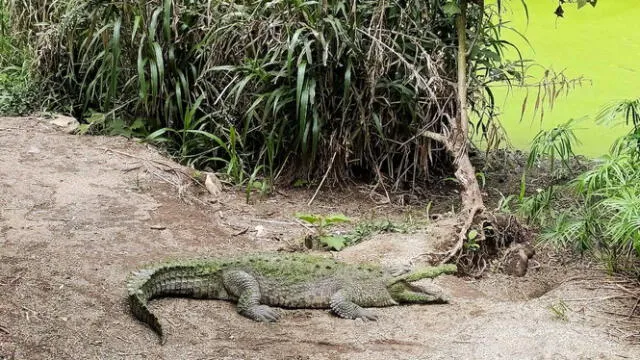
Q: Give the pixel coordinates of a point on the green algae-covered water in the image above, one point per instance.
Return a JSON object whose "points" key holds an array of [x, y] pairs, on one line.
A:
{"points": [[601, 44]]}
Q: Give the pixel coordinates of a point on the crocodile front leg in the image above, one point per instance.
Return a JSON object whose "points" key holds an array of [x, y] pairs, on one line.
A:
{"points": [[245, 287], [342, 306]]}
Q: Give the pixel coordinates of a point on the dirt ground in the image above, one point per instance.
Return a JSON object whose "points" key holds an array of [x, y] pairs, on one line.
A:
{"points": [[78, 213]]}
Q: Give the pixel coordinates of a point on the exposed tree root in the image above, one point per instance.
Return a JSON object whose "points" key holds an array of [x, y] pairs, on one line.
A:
{"points": [[462, 234], [491, 241]]}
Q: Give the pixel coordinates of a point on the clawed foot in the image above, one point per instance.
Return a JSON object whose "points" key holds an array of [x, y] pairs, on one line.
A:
{"points": [[263, 313], [365, 315]]}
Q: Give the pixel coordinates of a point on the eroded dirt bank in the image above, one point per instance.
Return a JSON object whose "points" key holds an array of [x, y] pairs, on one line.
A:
{"points": [[77, 214]]}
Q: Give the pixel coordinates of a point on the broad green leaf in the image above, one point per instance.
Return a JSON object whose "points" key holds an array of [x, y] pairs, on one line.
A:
{"points": [[300, 84], [156, 136], [159, 60], [166, 19], [154, 24], [347, 83], [209, 135], [302, 116], [300, 183], [310, 218], [153, 71], [336, 218], [142, 62], [335, 242], [136, 26]]}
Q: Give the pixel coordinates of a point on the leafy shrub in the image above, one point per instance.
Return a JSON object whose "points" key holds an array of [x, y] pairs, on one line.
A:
{"points": [[18, 90], [604, 218], [18, 96], [249, 84], [547, 146]]}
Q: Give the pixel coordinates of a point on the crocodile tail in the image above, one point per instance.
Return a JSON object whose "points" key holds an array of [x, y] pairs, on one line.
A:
{"points": [[138, 299]]}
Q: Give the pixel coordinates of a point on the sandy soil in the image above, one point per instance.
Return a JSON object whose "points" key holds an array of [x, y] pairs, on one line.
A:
{"points": [[77, 214]]}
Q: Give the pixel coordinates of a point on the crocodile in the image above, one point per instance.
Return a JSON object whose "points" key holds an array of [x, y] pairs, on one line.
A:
{"points": [[256, 282]]}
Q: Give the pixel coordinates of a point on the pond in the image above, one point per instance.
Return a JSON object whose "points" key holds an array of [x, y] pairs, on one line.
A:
{"points": [[602, 44]]}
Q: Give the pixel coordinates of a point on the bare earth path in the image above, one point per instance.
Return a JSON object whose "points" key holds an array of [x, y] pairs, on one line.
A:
{"points": [[78, 213]]}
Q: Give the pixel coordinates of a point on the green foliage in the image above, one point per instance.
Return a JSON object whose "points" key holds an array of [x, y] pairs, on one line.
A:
{"points": [[553, 144], [249, 86], [322, 221], [451, 8], [605, 217], [18, 94], [628, 109], [537, 208], [338, 241], [548, 145], [334, 242], [471, 243], [18, 89], [625, 111], [368, 228], [98, 123], [559, 310]]}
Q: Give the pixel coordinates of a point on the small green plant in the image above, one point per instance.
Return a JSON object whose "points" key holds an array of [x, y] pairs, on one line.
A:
{"points": [[366, 229], [481, 177], [261, 186], [471, 244], [300, 183], [199, 146], [321, 223], [535, 209], [361, 231], [628, 109], [18, 92], [559, 310], [555, 144], [538, 207], [103, 124]]}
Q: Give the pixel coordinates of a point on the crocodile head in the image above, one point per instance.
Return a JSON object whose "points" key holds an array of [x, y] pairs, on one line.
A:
{"points": [[404, 288]]}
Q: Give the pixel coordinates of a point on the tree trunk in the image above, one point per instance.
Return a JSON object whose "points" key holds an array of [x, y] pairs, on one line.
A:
{"points": [[465, 173], [457, 140]]}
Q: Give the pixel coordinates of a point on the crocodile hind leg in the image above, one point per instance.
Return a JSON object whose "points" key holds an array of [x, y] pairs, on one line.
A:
{"points": [[245, 287], [345, 308]]}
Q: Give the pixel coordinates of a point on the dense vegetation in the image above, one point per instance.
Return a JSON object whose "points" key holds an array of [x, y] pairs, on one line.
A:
{"points": [[597, 211], [251, 86], [17, 85], [602, 215]]}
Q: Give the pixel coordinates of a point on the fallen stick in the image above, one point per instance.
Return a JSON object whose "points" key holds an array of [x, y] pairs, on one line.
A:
{"points": [[323, 179]]}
